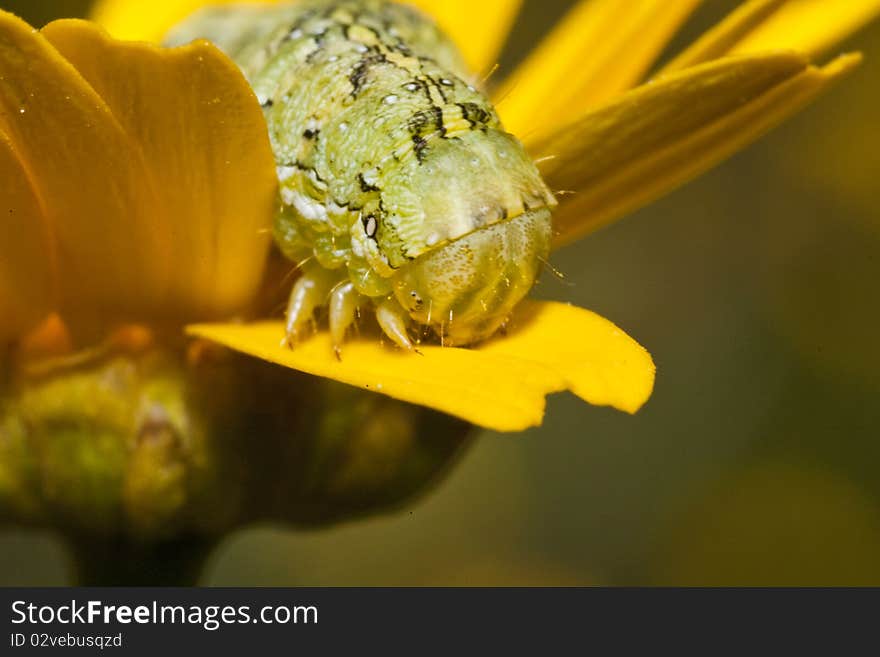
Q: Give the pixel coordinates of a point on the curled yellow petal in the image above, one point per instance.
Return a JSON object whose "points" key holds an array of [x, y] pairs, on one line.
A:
{"points": [[501, 385], [602, 47], [478, 28], [27, 258], [82, 166], [663, 134], [202, 135], [153, 168]]}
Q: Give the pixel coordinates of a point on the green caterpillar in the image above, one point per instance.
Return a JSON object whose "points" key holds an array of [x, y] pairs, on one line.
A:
{"points": [[399, 187]]}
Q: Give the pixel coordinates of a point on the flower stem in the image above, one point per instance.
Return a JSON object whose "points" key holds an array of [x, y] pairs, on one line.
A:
{"points": [[105, 562]]}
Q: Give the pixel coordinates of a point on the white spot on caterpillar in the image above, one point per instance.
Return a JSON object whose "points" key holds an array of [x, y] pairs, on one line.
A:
{"points": [[357, 248], [285, 173], [336, 209], [390, 100], [309, 208], [371, 177], [371, 226], [343, 127], [432, 239]]}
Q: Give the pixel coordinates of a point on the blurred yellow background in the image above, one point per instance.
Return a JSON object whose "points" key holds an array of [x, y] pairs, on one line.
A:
{"points": [[756, 461]]}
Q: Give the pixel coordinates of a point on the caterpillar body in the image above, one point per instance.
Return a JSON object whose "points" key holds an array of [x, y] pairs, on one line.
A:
{"points": [[399, 188]]}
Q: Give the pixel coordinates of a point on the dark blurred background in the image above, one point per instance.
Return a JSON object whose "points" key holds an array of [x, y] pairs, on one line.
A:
{"points": [[757, 459]]}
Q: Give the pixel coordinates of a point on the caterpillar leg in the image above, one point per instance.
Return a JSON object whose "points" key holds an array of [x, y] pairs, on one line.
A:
{"points": [[394, 321], [309, 293], [319, 287], [344, 303]]}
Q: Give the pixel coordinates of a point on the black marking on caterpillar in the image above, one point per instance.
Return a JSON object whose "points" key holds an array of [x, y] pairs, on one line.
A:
{"points": [[477, 116], [358, 77], [365, 186]]}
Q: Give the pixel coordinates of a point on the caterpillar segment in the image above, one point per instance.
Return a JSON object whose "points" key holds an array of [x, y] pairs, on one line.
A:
{"points": [[400, 190]]}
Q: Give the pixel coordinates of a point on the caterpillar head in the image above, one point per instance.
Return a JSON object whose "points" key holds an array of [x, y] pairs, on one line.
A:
{"points": [[466, 289], [466, 230]]}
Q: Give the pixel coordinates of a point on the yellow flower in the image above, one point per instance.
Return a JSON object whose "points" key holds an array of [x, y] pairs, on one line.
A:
{"points": [[138, 183]]}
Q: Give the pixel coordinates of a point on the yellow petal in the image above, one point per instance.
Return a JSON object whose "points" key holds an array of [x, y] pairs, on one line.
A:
{"points": [[719, 40], [665, 133], [810, 26], [478, 28], [598, 361], [501, 385], [202, 134], [602, 47], [81, 165], [27, 259], [138, 20], [114, 174]]}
